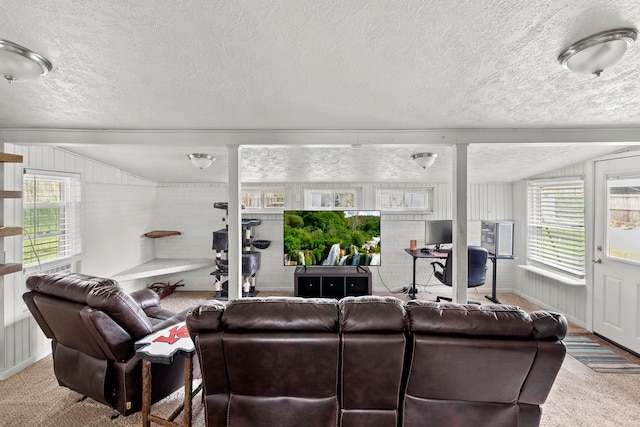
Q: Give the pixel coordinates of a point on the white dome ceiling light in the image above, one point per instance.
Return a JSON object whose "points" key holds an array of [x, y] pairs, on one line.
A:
{"points": [[596, 53], [17, 63], [201, 160], [424, 160]]}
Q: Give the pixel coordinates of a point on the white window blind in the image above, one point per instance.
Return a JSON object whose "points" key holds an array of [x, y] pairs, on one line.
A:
{"points": [[51, 217], [556, 224]]}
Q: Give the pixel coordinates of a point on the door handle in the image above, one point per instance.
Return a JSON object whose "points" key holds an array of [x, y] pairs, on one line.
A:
{"points": [[597, 260]]}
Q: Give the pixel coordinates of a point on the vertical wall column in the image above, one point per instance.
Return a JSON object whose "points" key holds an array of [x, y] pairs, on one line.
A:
{"points": [[460, 238], [234, 236]]}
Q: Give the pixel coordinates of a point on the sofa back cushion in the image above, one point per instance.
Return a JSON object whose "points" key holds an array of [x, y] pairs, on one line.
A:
{"points": [[282, 358], [373, 351], [470, 364]]}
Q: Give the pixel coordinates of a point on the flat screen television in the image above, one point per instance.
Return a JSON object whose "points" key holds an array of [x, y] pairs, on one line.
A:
{"points": [[332, 238], [438, 232]]}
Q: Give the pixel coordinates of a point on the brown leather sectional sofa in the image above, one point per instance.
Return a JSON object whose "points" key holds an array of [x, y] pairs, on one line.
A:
{"points": [[93, 325], [374, 361]]}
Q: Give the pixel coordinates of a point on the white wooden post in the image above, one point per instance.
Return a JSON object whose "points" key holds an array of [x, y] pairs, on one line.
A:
{"points": [[234, 284], [460, 250]]}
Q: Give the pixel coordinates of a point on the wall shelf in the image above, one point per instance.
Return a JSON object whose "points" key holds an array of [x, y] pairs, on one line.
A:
{"points": [[10, 231], [161, 233], [9, 268], [161, 267], [4, 194], [10, 158]]}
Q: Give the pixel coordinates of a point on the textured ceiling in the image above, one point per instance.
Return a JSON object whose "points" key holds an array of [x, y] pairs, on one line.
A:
{"points": [[297, 65]]}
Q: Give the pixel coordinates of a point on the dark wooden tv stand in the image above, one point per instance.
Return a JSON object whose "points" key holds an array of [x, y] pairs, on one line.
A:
{"points": [[332, 282]]}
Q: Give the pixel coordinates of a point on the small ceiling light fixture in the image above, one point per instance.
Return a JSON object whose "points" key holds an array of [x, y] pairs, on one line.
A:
{"points": [[596, 53], [201, 160], [424, 160], [18, 63]]}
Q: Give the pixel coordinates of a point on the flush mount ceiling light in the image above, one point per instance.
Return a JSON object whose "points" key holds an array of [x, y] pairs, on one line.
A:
{"points": [[201, 160], [424, 160], [18, 63], [596, 53]]}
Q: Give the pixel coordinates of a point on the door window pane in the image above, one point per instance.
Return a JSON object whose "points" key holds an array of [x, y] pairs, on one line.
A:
{"points": [[623, 229]]}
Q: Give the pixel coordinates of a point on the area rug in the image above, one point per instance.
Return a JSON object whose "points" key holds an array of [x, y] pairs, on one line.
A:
{"points": [[597, 357]]}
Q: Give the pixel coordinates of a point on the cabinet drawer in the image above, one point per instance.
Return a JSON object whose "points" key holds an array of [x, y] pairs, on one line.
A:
{"points": [[308, 287], [357, 286], [333, 287]]}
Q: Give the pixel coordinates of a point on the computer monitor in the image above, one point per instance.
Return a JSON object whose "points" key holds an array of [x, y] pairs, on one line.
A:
{"points": [[438, 233]]}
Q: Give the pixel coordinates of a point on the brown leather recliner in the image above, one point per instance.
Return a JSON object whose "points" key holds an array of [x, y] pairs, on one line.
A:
{"points": [[93, 325], [478, 366]]}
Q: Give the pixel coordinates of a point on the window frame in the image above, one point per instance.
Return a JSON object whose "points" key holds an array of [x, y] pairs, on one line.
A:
{"points": [[69, 226], [264, 199], [556, 232], [338, 198]]}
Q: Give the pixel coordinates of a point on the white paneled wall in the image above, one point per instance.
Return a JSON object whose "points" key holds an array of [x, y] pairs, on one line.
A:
{"points": [[549, 293], [189, 209], [119, 208], [115, 220]]}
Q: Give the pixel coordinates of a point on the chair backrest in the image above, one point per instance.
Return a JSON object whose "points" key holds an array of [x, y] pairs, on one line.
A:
{"points": [[477, 259], [66, 306]]}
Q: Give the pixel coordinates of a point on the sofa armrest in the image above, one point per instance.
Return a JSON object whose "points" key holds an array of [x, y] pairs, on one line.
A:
{"points": [[146, 298], [205, 317], [548, 325]]}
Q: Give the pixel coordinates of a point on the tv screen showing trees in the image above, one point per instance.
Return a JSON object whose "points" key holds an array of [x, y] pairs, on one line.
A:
{"points": [[332, 238]]}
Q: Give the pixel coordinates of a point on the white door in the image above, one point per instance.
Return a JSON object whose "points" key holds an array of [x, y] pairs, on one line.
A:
{"points": [[616, 271]]}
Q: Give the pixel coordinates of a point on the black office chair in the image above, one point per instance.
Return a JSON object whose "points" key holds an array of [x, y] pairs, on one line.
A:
{"points": [[478, 257]]}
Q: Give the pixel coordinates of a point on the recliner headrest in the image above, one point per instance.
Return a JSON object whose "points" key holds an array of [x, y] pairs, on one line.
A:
{"points": [[468, 319], [282, 314], [371, 314], [73, 286]]}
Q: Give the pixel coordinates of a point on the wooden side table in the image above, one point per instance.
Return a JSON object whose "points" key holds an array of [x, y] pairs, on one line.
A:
{"points": [[162, 347]]}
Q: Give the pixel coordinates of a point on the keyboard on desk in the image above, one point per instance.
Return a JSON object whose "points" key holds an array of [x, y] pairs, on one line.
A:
{"points": [[441, 250]]}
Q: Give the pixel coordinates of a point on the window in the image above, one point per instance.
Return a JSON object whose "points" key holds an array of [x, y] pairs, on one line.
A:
{"points": [[264, 199], [51, 232], [623, 225], [417, 199], [274, 199], [251, 199], [556, 239], [332, 198]]}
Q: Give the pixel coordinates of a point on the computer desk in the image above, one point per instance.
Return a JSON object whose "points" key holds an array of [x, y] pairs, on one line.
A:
{"points": [[434, 255]]}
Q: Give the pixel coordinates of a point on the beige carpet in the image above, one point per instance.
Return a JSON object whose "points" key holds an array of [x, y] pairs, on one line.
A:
{"points": [[579, 397]]}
